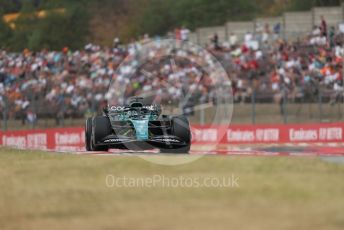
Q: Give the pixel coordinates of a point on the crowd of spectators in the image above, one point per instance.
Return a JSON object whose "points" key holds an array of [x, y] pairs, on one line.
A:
{"points": [[73, 83], [276, 69]]}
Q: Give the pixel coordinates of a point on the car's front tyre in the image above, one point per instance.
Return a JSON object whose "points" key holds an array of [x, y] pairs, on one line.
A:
{"points": [[181, 129], [88, 134], [96, 129]]}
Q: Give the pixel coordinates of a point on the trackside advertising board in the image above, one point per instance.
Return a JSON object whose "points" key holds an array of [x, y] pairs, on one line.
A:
{"points": [[257, 134], [57, 139], [69, 139]]}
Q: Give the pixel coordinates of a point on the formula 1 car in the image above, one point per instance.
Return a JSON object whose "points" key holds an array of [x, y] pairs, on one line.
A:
{"points": [[137, 127]]}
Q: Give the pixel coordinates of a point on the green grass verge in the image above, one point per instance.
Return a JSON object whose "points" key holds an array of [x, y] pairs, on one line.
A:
{"points": [[41, 190]]}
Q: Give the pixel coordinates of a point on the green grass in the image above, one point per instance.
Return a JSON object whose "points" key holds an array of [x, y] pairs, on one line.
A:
{"points": [[39, 190]]}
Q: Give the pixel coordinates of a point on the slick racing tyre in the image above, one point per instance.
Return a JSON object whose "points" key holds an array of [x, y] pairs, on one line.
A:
{"points": [[180, 129], [101, 129], [88, 134]]}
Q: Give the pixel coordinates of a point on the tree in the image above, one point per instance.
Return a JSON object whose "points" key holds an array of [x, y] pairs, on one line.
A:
{"points": [[160, 16], [9, 6], [5, 33], [24, 27], [54, 31], [59, 30]]}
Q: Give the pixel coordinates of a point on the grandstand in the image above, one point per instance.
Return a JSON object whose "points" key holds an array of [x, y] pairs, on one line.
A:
{"points": [[261, 65]]}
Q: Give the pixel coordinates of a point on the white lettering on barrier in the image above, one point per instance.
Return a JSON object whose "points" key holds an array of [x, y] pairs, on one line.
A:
{"points": [[201, 135], [15, 141], [303, 135], [331, 134], [267, 135], [68, 138], [240, 135], [37, 140]]}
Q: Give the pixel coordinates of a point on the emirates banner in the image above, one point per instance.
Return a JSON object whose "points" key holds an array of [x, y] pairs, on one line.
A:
{"points": [[70, 139], [257, 134], [57, 139]]}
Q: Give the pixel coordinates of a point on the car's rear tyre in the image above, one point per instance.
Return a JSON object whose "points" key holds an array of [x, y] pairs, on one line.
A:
{"points": [[101, 128], [180, 129]]}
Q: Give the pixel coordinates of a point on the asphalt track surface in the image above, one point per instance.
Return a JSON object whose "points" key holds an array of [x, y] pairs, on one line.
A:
{"points": [[320, 150], [332, 153]]}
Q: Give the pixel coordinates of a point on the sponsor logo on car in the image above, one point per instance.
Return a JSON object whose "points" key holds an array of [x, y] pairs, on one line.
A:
{"points": [[149, 107], [122, 108], [167, 140], [117, 108], [114, 140]]}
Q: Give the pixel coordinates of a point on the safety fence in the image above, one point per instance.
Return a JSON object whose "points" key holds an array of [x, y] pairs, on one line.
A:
{"points": [[73, 139], [255, 109]]}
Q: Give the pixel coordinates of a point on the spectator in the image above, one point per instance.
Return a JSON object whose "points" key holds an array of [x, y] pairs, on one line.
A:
{"points": [[178, 34], [248, 37], [277, 28], [323, 26], [215, 41], [184, 34], [233, 39]]}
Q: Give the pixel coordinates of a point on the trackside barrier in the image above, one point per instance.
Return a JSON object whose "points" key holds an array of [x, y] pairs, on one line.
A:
{"points": [[274, 134], [64, 139], [72, 139]]}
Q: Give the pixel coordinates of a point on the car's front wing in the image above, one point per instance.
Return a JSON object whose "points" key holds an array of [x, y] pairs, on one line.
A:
{"points": [[123, 142]]}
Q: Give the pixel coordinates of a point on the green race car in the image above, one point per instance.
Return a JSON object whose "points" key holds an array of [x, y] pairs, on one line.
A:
{"points": [[137, 127]]}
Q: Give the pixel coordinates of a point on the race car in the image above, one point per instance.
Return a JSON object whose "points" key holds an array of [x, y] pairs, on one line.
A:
{"points": [[137, 127]]}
